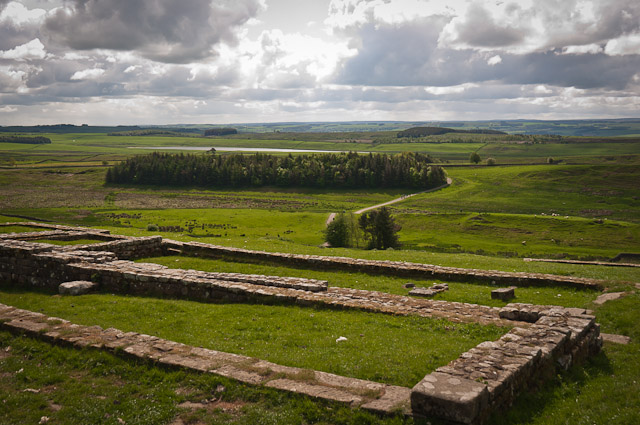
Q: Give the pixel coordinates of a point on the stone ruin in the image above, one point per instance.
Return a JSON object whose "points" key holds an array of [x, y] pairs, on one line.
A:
{"points": [[467, 390]]}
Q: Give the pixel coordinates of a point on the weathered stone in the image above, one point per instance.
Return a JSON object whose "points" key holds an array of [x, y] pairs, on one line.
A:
{"points": [[449, 397], [77, 287], [608, 297], [318, 391], [504, 294], [616, 339]]}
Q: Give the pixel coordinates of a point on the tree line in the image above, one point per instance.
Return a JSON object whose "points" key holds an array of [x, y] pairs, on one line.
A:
{"points": [[35, 140], [330, 170]]}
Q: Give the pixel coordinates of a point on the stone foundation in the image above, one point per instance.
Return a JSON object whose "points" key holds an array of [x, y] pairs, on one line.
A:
{"points": [[390, 268], [485, 378]]}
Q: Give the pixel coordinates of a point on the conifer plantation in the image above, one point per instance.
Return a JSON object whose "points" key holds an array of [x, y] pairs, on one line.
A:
{"points": [[335, 171]]}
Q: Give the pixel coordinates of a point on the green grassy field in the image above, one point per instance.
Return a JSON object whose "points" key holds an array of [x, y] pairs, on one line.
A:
{"points": [[378, 348], [92, 149], [490, 217]]}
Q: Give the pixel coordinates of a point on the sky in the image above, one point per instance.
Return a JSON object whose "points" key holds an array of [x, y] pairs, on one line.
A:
{"points": [[125, 62]]}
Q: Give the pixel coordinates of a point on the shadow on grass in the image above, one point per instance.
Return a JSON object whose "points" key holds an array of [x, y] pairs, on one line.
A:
{"points": [[531, 405]]}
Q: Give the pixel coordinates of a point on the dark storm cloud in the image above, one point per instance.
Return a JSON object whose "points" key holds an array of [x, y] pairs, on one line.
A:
{"points": [[161, 30]]}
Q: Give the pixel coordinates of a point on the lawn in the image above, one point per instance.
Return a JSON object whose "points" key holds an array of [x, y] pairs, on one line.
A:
{"points": [[379, 347]]}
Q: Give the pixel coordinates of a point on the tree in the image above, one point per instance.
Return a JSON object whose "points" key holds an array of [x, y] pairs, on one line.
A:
{"points": [[475, 158], [337, 232], [380, 228]]}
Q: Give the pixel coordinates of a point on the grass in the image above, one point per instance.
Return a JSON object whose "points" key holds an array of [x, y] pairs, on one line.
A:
{"points": [[379, 348], [488, 211], [474, 293], [80, 387], [20, 229]]}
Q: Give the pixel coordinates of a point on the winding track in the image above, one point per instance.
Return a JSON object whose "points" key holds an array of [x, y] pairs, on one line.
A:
{"points": [[332, 216]]}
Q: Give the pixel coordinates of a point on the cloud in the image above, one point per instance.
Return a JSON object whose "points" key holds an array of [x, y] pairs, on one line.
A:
{"points": [[584, 49], [28, 51], [494, 60], [161, 30], [625, 45], [87, 74], [478, 29], [18, 14], [530, 26]]}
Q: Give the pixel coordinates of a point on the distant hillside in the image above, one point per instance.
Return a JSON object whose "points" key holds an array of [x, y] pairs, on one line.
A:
{"points": [[572, 128], [435, 131], [66, 128]]}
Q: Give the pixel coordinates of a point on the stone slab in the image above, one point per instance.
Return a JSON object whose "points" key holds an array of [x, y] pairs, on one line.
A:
{"points": [[504, 294], [449, 397], [616, 339], [610, 296], [77, 287], [394, 399], [318, 391]]}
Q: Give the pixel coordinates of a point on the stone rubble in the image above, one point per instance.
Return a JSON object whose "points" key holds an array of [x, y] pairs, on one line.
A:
{"points": [[435, 289]]}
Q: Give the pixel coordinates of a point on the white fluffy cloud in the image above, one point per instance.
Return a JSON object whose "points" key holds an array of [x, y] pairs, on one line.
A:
{"points": [[628, 44], [34, 49], [87, 74], [18, 14]]}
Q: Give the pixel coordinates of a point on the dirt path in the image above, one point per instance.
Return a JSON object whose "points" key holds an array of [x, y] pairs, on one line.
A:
{"points": [[402, 198], [330, 218]]}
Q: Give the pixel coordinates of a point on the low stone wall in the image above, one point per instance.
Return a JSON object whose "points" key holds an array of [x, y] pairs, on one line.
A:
{"points": [[59, 235], [490, 376], [586, 263], [373, 396], [126, 249], [486, 378], [47, 266], [392, 268], [49, 226]]}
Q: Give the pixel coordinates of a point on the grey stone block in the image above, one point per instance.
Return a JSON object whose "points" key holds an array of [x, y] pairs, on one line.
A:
{"points": [[77, 287], [449, 397], [504, 294]]}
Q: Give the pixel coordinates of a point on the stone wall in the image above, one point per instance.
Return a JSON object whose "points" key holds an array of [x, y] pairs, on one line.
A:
{"points": [[489, 377], [485, 378], [392, 268]]}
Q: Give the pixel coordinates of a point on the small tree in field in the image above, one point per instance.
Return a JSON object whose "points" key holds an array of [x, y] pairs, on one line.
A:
{"points": [[380, 229], [337, 232], [475, 158]]}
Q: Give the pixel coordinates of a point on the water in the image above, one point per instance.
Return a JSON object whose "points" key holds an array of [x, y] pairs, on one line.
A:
{"points": [[232, 149]]}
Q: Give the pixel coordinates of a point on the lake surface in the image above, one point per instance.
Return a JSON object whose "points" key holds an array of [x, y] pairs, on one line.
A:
{"points": [[231, 149]]}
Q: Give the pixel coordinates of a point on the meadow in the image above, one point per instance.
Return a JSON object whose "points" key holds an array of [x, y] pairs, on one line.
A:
{"points": [[585, 207]]}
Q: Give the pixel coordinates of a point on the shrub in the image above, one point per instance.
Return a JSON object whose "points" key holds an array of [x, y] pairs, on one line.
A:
{"points": [[152, 228], [491, 161]]}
